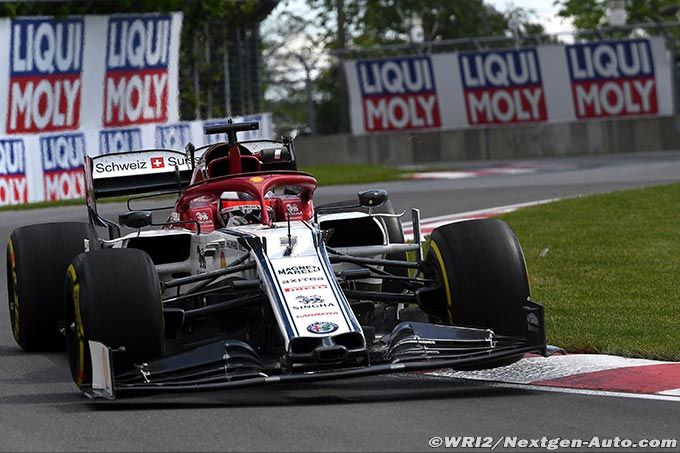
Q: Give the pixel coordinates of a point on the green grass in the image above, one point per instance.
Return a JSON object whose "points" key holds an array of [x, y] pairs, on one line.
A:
{"points": [[334, 174], [607, 269]]}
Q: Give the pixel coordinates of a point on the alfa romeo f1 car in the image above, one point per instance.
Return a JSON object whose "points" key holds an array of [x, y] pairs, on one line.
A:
{"points": [[247, 282]]}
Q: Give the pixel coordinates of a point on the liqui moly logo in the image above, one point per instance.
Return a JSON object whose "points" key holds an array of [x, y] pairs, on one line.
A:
{"points": [[62, 163], [173, 136], [398, 94], [120, 140], [613, 78], [13, 184], [502, 87], [46, 60], [137, 58]]}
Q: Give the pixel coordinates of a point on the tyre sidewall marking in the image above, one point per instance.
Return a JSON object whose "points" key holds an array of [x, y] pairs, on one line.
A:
{"points": [[447, 289], [15, 295], [80, 331]]}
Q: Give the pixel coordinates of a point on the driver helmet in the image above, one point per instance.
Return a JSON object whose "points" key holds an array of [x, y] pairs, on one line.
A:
{"points": [[239, 208]]}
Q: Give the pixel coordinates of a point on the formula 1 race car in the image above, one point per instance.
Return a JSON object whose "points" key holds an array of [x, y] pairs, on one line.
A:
{"points": [[248, 283]]}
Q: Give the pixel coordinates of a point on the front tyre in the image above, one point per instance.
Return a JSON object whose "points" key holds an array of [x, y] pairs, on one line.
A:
{"points": [[482, 276], [113, 296]]}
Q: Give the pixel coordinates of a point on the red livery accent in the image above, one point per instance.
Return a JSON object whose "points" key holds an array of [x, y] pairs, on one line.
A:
{"points": [[157, 162]]}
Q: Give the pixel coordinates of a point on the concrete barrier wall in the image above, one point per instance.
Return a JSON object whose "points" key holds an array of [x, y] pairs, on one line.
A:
{"points": [[512, 142]]}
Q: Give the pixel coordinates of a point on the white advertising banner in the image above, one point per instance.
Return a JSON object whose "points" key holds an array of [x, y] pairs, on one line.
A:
{"points": [[88, 85], [603, 79]]}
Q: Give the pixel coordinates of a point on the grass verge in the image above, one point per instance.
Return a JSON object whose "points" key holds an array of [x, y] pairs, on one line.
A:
{"points": [[606, 269]]}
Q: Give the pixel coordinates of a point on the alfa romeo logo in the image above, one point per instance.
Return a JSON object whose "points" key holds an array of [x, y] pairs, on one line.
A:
{"points": [[322, 327]]}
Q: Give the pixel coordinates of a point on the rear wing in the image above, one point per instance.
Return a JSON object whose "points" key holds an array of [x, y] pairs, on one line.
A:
{"points": [[131, 173], [112, 175]]}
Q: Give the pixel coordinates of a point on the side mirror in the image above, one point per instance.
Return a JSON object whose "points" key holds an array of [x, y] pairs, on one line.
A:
{"points": [[135, 219], [372, 198]]}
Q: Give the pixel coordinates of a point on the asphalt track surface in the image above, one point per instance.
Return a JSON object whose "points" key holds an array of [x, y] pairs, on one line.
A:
{"points": [[40, 409]]}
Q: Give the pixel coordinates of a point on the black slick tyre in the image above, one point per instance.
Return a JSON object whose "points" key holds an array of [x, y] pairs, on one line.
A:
{"points": [[482, 274], [113, 296]]}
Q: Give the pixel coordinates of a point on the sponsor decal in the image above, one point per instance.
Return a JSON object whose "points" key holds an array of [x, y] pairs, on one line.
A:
{"points": [[502, 87], [295, 270], [119, 140], [223, 260], [173, 136], [312, 302], [136, 163], [314, 315], [114, 167], [46, 61], [13, 182], [62, 163], [305, 288], [157, 162], [614, 78], [256, 179], [302, 280], [288, 242], [322, 327], [136, 80], [310, 299], [293, 209], [398, 93]]}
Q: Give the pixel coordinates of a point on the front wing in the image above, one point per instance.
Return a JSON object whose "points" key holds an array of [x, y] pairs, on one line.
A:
{"points": [[230, 364]]}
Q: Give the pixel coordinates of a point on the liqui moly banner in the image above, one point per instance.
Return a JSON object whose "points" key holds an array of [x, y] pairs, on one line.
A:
{"points": [[136, 87], [502, 87], [62, 159], [398, 94], [613, 79], [548, 83], [90, 72], [45, 75]]}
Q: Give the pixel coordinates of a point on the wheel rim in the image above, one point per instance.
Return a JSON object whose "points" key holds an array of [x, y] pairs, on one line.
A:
{"points": [[12, 296], [75, 333]]}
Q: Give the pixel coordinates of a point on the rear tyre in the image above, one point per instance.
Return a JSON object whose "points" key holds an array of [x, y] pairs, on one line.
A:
{"points": [[113, 296], [482, 275], [37, 257]]}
